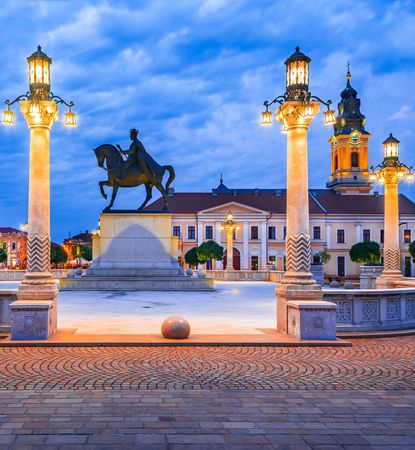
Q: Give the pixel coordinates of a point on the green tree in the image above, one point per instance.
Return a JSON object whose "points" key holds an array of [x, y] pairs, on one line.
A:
{"points": [[323, 256], [191, 257], [3, 255], [57, 254], [411, 249], [365, 252], [86, 252], [209, 250]]}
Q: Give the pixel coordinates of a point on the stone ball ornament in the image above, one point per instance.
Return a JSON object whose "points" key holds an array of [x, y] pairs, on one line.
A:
{"points": [[175, 327]]}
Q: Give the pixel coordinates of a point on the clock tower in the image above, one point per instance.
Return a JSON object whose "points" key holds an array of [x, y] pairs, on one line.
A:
{"points": [[349, 146]]}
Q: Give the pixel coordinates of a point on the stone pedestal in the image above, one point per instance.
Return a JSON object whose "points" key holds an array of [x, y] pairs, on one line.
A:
{"points": [[388, 279], [312, 320], [135, 251], [369, 275]]}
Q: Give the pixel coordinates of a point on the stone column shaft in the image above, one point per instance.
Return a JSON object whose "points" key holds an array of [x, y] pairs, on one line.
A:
{"points": [[229, 248]]}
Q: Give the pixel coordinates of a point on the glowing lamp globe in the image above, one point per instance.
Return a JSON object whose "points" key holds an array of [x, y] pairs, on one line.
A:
{"points": [[229, 216], [373, 178], [308, 111], [297, 66], [70, 119], [266, 118], [39, 74], [391, 148], [410, 177], [8, 117], [329, 117]]}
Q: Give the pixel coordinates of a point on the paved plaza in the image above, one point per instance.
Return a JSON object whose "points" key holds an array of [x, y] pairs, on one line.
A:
{"points": [[359, 397]]}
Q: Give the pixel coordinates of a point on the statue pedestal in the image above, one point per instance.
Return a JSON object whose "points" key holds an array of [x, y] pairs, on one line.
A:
{"points": [[135, 251]]}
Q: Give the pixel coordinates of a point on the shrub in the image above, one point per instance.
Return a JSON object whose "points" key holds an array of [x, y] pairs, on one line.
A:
{"points": [[365, 252]]}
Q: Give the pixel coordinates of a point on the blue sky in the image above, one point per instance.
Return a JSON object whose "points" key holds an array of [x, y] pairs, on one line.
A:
{"points": [[192, 76]]}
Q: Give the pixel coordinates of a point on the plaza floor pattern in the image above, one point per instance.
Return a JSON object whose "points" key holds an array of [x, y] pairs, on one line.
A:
{"points": [[360, 397]]}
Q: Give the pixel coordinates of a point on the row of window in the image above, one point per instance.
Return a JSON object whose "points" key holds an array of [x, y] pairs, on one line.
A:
{"points": [[13, 245], [272, 233]]}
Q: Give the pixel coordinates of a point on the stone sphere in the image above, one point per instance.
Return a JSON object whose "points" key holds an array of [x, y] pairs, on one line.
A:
{"points": [[78, 271], [181, 271], [334, 284], [71, 273], [348, 285], [175, 327], [189, 271]]}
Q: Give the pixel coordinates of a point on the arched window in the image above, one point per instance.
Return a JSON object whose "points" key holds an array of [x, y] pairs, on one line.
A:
{"points": [[355, 159], [13, 245], [336, 162]]}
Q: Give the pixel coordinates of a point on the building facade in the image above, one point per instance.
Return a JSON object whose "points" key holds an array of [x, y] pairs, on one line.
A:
{"points": [[345, 213], [14, 241]]}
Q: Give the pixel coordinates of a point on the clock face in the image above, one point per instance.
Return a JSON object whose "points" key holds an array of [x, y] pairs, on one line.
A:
{"points": [[355, 139]]}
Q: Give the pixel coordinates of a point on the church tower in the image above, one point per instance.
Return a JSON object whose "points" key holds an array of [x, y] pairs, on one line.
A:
{"points": [[349, 146]]}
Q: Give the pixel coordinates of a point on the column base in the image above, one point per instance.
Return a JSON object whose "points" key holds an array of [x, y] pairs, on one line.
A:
{"points": [[34, 315], [388, 278], [302, 313], [230, 274]]}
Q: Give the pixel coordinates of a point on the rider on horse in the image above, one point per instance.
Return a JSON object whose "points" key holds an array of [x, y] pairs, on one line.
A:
{"points": [[137, 155]]}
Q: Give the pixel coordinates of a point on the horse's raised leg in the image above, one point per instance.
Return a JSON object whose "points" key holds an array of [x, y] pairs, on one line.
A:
{"points": [[163, 192], [149, 188], [101, 187], [115, 187]]}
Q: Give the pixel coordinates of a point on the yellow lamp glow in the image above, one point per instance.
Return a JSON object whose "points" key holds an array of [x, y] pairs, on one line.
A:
{"points": [[229, 216], [39, 73], [329, 117], [70, 119], [308, 111], [34, 109], [8, 117], [381, 179], [266, 118], [297, 69], [391, 148], [373, 178], [410, 177]]}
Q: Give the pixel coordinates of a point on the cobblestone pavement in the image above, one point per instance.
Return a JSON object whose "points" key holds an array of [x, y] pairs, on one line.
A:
{"points": [[359, 397]]}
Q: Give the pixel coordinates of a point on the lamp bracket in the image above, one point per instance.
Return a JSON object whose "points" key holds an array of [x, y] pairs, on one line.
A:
{"points": [[17, 99], [60, 100]]}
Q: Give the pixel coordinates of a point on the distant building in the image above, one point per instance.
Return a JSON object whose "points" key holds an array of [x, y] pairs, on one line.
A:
{"points": [[340, 216], [15, 243], [71, 244]]}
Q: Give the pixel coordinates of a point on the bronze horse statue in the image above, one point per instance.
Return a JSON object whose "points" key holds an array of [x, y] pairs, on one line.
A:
{"points": [[119, 176]]}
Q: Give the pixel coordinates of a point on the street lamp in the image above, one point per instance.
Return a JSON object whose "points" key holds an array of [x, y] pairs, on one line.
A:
{"points": [[389, 173], [230, 227], [39, 107], [297, 108]]}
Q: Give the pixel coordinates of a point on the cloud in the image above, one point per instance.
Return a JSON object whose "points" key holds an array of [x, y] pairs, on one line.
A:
{"points": [[403, 113]]}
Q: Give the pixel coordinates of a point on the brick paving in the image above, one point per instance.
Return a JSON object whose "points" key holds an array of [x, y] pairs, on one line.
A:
{"points": [[359, 397]]}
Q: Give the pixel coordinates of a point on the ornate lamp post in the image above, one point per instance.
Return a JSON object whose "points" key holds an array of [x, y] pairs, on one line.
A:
{"points": [[390, 172], [34, 314], [230, 227], [296, 111]]}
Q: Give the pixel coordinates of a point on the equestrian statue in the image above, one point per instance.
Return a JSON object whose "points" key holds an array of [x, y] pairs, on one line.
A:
{"points": [[139, 168]]}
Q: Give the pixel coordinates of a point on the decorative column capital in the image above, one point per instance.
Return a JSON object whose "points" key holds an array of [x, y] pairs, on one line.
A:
{"points": [[40, 113], [294, 114]]}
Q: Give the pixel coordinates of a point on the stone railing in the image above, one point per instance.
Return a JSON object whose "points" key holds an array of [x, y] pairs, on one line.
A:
{"points": [[247, 275], [373, 309], [7, 296], [18, 275]]}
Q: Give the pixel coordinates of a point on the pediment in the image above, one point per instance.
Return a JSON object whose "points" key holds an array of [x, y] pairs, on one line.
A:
{"points": [[235, 207]]}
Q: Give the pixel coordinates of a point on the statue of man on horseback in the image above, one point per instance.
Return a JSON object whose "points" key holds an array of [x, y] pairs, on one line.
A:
{"points": [[139, 168]]}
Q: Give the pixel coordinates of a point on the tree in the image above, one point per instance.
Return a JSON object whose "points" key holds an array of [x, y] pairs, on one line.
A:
{"points": [[323, 256], [191, 257], [209, 250], [86, 252], [3, 255], [365, 252], [411, 249], [57, 254]]}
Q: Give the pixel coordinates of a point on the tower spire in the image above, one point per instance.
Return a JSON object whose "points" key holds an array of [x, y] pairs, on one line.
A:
{"points": [[221, 179]]}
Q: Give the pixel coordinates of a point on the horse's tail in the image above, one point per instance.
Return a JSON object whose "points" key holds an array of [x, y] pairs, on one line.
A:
{"points": [[171, 177]]}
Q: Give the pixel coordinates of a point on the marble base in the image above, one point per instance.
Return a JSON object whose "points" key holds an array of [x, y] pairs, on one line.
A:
{"points": [[388, 279], [302, 313], [312, 320]]}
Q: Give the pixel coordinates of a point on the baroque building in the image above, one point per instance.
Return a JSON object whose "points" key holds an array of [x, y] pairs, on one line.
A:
{"points": [[345, 213]]}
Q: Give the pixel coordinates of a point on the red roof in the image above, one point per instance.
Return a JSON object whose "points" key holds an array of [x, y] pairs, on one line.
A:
{"points": [[324, 201], [9, 230]]}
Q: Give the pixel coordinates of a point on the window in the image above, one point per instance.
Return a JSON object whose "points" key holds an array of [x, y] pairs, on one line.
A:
{"points": [[355, 159], [176, 230], [336, 162], [254, 232], [209, 265], [284, 232], [272, 233], [14, 245], [382, 236], [366, 235], [234, 234], [340, 237], [407, 236], [191, 232], [209, 232], [272, 260], [254, 262], [317, 233]]}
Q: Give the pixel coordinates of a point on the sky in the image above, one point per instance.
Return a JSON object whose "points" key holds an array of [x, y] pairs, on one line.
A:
{"points": [[192, 76]]}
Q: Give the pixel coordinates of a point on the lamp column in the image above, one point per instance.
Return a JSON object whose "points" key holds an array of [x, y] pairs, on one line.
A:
{"points": [[35, 313], [229, 227], [391, 253], [298, 283]]}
